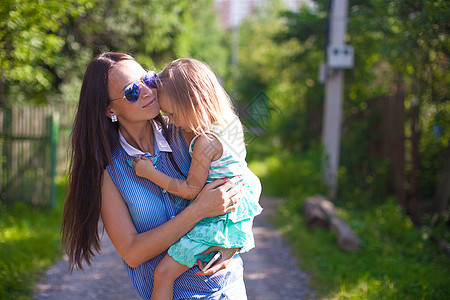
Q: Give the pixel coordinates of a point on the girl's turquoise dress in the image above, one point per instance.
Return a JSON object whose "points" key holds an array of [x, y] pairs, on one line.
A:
{"points": [[232, 230]]}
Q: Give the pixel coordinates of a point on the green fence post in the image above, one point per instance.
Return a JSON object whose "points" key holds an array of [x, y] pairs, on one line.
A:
{"points": [[54, 136]]}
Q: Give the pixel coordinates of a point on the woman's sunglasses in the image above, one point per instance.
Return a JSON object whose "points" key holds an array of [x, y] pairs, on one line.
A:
{"points": [[133, 90]]}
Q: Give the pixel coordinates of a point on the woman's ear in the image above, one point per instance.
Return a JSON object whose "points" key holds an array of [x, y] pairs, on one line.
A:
{"points": [[109, 112]]}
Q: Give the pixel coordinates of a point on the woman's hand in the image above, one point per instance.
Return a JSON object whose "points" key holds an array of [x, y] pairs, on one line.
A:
{"points": [[222, 263], [217, 198]]}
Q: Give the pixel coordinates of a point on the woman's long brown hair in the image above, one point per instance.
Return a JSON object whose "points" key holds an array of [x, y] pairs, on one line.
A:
{"points": [[94, 137]]}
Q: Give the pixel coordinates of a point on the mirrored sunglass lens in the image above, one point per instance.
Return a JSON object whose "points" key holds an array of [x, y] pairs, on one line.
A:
{"points": [[150, 79], [132, 92]]}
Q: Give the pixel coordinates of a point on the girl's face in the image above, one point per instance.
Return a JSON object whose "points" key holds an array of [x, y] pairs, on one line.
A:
{"points": [[174, 117], [120, 76]]}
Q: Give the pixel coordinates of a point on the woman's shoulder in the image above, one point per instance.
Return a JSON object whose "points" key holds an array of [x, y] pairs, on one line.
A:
{"points": [[116, 153]]}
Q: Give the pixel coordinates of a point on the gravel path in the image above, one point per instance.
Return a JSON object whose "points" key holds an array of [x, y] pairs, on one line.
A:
{"points": [[271, 272]]}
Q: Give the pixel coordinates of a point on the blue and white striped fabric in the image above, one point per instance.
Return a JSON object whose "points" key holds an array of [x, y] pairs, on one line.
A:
{"points": [[150, 206]]}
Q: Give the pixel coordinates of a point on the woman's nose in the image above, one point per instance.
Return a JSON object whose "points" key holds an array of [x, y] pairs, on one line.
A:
{"points": [[145, 94], [146, 91]]}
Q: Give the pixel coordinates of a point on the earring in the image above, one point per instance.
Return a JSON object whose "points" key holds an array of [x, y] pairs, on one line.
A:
{"points": [[113, 118]]}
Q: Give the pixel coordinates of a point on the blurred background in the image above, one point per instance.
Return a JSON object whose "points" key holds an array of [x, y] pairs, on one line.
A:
{"points": [[381, 154]]}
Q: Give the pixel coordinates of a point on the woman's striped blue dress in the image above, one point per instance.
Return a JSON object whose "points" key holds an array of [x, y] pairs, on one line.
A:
{"points": [[150, 206]]}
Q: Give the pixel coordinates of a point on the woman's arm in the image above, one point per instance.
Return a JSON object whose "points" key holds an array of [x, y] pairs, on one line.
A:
{"points": [[206, 149], [136, 248]]}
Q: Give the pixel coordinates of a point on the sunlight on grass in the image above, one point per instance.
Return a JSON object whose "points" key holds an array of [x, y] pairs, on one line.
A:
{"points": [[16, 233], [366, 288], [260, 168]]}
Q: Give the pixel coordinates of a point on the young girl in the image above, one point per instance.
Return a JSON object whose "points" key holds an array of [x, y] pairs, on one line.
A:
{"points": [[191, 96]]}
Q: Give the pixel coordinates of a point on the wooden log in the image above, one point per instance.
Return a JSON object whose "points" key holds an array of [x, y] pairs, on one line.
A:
{"points": [[346, 238], [320, 212], [315, 216]]}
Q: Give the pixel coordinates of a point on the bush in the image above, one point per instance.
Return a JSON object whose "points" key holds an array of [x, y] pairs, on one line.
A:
{"points": [[283, 174]]}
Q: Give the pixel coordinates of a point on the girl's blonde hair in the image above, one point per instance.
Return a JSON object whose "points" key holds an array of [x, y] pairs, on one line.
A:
{"points": [[196, 95]]}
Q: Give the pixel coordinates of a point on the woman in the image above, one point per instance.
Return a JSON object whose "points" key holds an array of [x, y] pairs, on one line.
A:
{"points": [[117, 120]]}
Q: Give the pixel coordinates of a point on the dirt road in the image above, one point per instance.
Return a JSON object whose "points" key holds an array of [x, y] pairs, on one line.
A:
{"points": [[270, 271]]}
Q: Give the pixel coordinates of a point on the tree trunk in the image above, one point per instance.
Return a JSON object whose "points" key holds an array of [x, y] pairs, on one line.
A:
{"points": [[395, 140], [412, 207]]}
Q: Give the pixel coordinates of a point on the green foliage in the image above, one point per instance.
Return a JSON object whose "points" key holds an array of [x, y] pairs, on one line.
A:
{"points": [[434, 147], [409, 38], [154, 32], [202, 38], [29, 242], [30, 45], [276, 59], [284, 174], [45, 46]]}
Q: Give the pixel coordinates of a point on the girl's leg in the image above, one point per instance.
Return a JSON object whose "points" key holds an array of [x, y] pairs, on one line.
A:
{"points": [[165, 274]]}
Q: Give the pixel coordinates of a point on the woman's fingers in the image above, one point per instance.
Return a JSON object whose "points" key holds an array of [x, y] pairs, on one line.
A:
{"points": [[234, 192], [220, 265], [216, 183], [231, 192], [201, 265], [234, 202], [230, 183], [219, 196], [226, 256]]}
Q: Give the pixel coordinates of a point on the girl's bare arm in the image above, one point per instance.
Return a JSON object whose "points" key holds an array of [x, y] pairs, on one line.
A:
{"points": [[206, 149]]}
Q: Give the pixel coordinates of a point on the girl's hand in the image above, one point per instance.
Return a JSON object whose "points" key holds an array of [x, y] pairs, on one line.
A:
{"points": [[222, 263], [143, 167], [217, 198]]}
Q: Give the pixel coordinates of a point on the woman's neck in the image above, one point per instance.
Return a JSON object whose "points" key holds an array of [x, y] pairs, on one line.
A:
{"points": [[139, 135]]}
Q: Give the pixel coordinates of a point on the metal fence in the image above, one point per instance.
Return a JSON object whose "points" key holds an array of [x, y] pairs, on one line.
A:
{"points": [[34, 144]]}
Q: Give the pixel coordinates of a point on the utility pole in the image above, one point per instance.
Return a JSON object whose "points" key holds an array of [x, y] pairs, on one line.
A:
{"points": [[338, 57]]}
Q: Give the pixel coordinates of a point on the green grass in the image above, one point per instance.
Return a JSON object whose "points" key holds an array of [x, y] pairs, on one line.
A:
{"points": [[29, 242], [396, 261]]}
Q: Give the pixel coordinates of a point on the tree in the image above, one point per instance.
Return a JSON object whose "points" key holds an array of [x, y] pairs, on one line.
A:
{"points": [[397, 91], [408, 46], [30, 44], [46, 45], [201, 37], [273, 60]]}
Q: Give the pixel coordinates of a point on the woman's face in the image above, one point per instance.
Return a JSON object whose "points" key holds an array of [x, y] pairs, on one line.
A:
{"points": [[119, 77]]}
